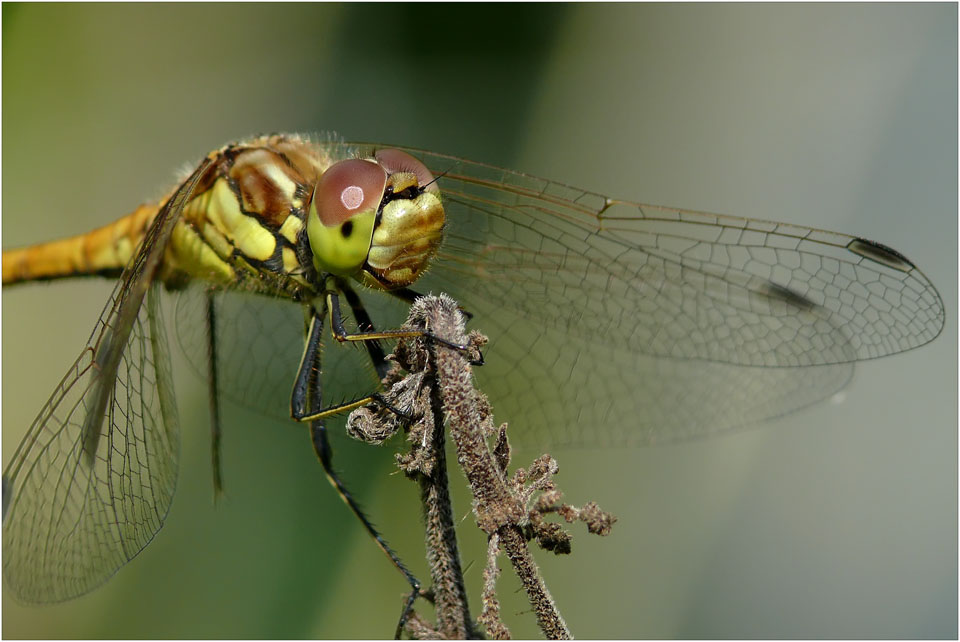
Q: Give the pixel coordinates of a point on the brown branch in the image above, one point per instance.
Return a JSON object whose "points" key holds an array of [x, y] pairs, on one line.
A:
{"points": [[438, 388], [425, 463]]}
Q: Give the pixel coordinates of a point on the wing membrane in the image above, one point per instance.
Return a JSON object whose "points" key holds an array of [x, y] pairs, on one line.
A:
{"points": [[92, 481], [615, 322], [260, 343], [668, 282]]}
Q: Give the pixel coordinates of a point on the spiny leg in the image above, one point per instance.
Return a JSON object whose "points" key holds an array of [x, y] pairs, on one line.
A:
{"points": [[405, 294], [298, 406], [302, 391], [307, 390], [213, 391], [409, 296], [332, 288], [374, 348]]}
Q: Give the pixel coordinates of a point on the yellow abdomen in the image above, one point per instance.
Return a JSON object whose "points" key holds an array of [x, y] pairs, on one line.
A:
{"points": [[105, 250]]}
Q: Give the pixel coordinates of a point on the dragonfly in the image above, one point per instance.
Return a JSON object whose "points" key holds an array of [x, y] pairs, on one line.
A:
{"points": [[610, 323]]}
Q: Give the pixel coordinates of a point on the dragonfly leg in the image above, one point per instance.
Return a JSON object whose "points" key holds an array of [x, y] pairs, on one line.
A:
{"points": [[409, 295], [311, 356], [308, 391], [214, 393], [374, 348], [321, 446], [302, 386], [340, 333]]}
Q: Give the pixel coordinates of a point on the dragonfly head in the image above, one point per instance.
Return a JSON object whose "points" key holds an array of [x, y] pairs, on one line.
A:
{"points": [[379, 219]]}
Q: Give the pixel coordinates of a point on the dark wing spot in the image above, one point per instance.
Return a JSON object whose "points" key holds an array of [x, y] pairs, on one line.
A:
{"points": [[880, 254], [7, 491], [788, 296]]}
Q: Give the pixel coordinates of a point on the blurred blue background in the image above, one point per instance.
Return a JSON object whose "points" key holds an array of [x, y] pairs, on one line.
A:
{"points": [[838, 521]]}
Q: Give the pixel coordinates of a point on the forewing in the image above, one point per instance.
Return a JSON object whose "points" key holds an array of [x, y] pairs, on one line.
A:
{"points": [[674, 283], [618, 322], [92, 481]]}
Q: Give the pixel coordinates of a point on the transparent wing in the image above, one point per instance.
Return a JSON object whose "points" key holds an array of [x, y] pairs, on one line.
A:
{"points": [[92, 481], [259, 344], [559, 389], [674, 283], [260, 341], [614, 321]]}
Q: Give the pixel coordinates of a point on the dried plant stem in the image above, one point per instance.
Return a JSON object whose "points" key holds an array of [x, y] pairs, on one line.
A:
{"points": [[499, 511], [411, 392], [431, 385], [449, 592]]}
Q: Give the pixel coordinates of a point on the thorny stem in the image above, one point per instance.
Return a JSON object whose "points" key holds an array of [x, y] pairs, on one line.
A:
{"points": [[510, 511]]}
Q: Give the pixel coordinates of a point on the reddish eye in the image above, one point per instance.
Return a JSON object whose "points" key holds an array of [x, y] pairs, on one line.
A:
{"points": [[393, 160], [348, 188]]}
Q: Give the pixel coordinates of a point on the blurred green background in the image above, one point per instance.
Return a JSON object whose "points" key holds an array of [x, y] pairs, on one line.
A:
{"points": [[838, 521]]}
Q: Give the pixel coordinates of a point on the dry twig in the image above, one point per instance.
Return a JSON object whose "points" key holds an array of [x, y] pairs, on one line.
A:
{"points": [[438, 388]]}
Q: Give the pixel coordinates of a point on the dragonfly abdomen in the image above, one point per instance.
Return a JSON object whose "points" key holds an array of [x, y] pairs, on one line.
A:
{"points": [[104, 251]]}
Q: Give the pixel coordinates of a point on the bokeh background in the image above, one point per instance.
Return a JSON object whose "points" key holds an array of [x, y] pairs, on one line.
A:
{"points": [[837, 521]]}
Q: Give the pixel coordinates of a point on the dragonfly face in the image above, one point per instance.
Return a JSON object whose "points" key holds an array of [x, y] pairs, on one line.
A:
{"points": [[382, 216], [611, 323]]}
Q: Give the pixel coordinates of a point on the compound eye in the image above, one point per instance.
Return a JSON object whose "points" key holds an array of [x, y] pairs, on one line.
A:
{"points": [[394, 161], [348, 188]]}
